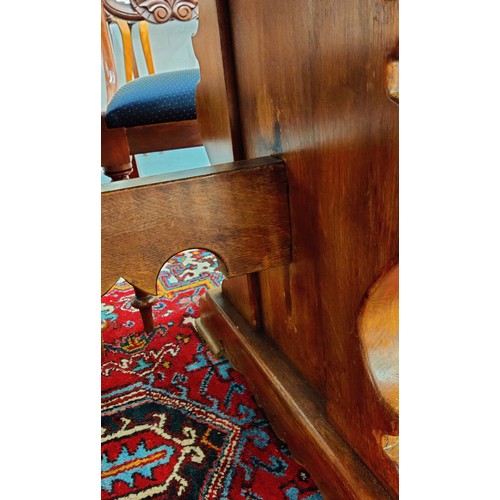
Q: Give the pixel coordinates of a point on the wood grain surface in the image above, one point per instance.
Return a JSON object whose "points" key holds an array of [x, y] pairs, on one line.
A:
{"points": [[379, 333], [218, 117], [216, 95], [293, 407], [239, 211], [311, 85], [164, 136]]}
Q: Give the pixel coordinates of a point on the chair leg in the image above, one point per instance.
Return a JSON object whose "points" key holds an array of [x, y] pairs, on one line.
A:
{"points": [[115, 152], [135, 169], [104, 325], [144, 302], [118, 172]]}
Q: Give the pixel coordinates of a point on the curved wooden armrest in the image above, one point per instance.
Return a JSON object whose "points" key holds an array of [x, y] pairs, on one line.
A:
{"points": [[379, 335]]}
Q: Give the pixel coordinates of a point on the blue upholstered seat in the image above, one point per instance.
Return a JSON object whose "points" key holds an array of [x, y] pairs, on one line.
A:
{"points": [[159, 98]]}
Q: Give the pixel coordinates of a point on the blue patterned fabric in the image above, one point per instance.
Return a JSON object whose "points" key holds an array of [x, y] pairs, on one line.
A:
{"points": [[160, 98]]}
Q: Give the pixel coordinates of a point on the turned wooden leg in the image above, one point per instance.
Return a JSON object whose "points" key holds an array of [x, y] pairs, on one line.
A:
{"points": [[104, 325], [118, 172], [144, 302], [116, 161]]}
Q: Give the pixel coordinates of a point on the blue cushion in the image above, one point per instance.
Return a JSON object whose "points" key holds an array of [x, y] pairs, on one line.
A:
{"points": [[160, 98]]}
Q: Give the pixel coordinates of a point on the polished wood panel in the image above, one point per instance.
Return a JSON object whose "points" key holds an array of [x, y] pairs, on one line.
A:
{"points": [[216, 98], [218, 116], [238, 210], [311, 81], [243, 293], [294, 408]]}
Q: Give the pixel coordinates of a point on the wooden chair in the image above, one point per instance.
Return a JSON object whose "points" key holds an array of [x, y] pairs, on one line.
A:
{"points": [[149, 113]]}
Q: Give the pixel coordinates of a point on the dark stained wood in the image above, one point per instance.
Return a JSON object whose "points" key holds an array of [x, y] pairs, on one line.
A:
{"points": [[218, 116], [243, 293], [293, 407], [312, 87], [164, 137], [289, 297], [216, 97], [118, 144], [238, 210]]}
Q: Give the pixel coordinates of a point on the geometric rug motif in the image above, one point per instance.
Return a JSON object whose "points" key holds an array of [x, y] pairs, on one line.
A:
{"points": [[176, 421]]}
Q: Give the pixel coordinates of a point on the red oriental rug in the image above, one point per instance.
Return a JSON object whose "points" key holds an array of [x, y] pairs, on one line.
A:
{"points": [[177, 422]]}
